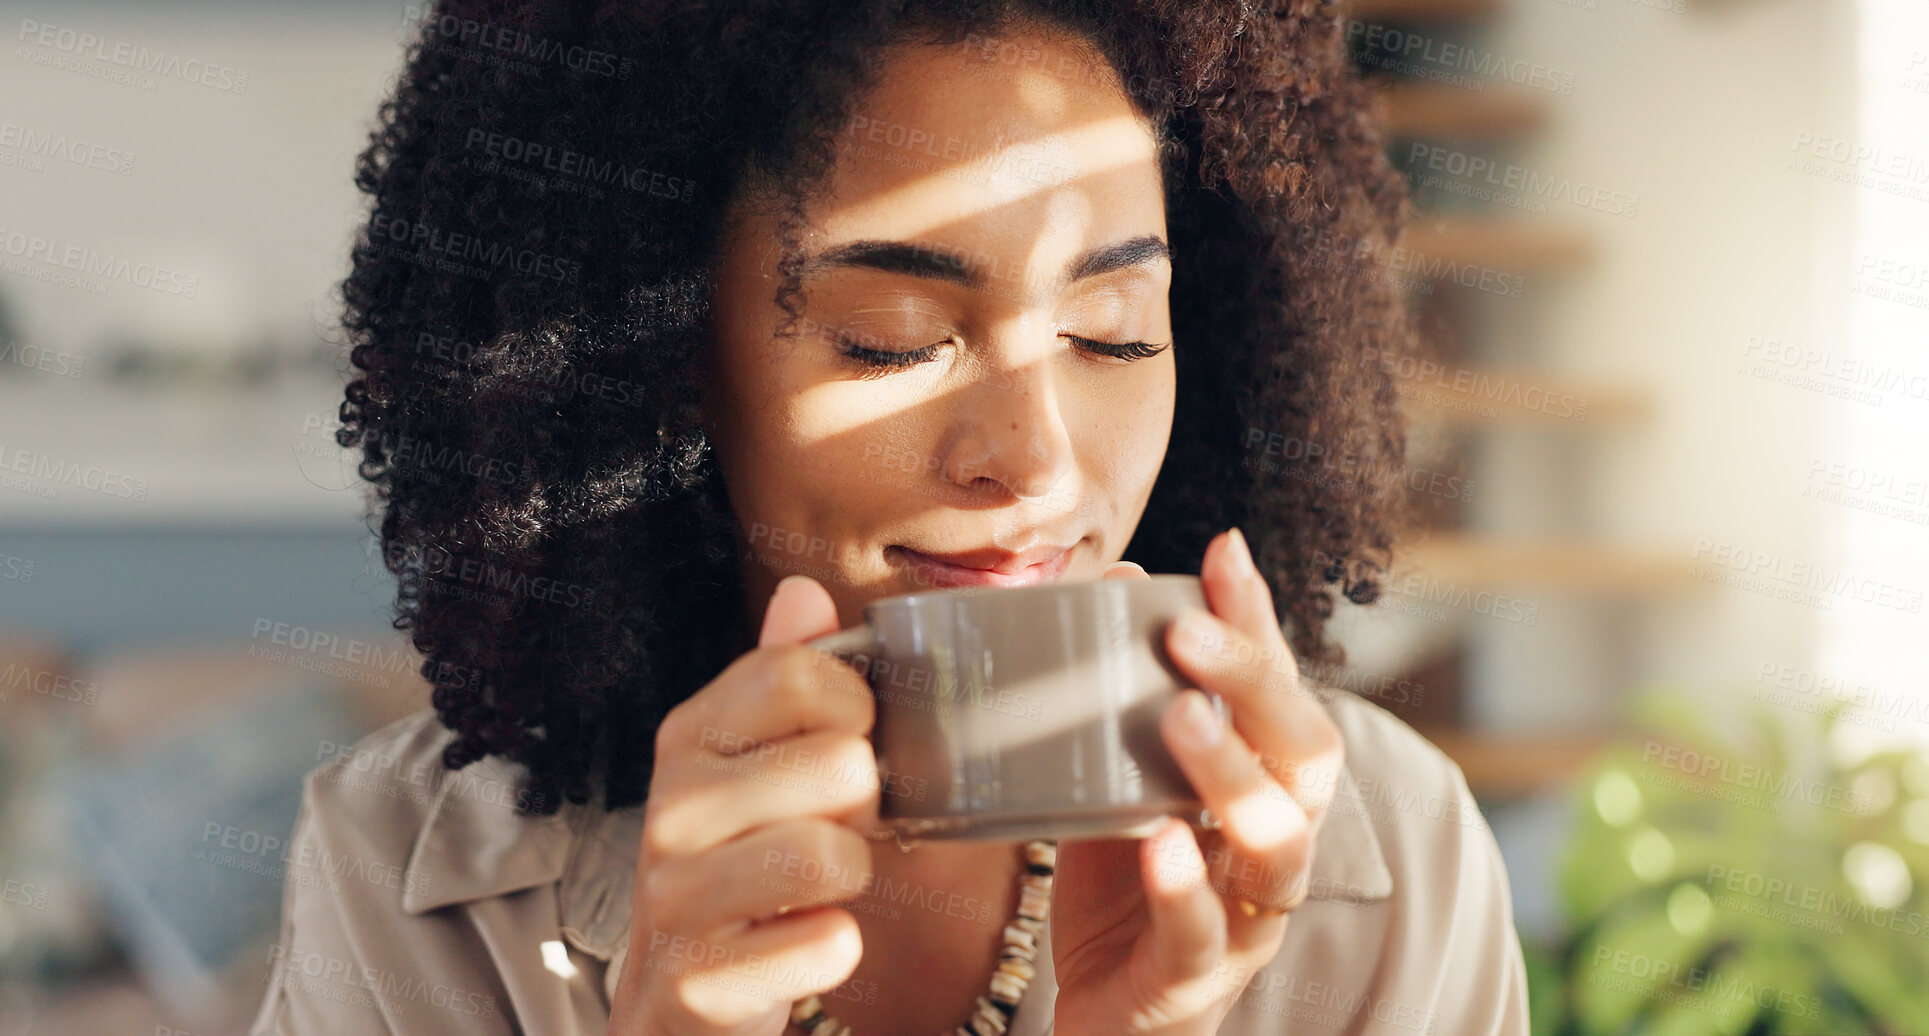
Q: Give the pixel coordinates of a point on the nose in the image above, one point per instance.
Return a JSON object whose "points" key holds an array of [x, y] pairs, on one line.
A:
{"points": [[1009, 434]]}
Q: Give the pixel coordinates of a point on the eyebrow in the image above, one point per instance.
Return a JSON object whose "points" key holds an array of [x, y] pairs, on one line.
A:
{"points": [[919, 260]]}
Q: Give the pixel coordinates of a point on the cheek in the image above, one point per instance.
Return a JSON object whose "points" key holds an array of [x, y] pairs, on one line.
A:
{"points": [[815, 456], [836, 431], [1129, 431]]}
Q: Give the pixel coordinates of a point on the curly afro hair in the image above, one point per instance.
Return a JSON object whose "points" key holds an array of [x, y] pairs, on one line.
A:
{"points": [[530, 294]]}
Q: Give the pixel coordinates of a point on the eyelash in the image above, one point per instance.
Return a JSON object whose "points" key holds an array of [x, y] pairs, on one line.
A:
{"points": [[886, 360]]}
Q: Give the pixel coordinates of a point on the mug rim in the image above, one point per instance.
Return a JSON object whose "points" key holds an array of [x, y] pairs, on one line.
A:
{"points": [[1037, 589]]}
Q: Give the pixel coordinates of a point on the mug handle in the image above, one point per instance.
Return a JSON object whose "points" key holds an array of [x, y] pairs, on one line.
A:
{"points": [[845, 644], [861, 640]]}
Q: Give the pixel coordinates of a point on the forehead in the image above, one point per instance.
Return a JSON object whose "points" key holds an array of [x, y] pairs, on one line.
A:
{"points": [[956, 148]]}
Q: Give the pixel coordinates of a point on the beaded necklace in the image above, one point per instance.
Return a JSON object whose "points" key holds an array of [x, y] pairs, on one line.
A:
{"points": [[1017, 958]]}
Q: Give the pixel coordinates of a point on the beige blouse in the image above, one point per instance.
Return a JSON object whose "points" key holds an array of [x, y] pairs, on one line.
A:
{"points": [[418, 901]]}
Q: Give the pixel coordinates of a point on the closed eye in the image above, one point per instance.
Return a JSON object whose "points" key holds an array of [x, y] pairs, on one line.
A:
{"points": [[885, 360], [1121, 350]]}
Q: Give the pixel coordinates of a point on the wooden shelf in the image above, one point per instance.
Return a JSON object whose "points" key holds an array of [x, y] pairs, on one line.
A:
{"points": [[1509, 767], [1406, 111], [1488, 563], [1484, 398], [1511, 245], [1485, 235], [1422, 10]]}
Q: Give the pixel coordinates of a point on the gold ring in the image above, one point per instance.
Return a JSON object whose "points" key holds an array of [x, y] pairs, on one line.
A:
{"points": [[889, 834], [1251, 909]]}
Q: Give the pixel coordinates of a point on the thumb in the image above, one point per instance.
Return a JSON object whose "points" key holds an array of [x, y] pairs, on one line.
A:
{"points": [[799, 609], [1125, 570]]}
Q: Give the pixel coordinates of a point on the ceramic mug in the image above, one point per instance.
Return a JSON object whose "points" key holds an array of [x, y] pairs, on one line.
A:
{"points": [[1013, 713]]}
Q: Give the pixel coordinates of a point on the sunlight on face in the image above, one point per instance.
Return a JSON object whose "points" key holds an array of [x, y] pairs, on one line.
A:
{"points": [[983, 378]]}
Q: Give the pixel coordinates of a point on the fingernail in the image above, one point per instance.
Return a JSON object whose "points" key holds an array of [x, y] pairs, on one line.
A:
{"points": [[1197, 723], [1195, 629], [1187, 850], [1242, 553], [763, 628]]}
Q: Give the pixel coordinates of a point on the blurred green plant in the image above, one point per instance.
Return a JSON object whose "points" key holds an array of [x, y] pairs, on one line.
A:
{"points": [[1747, 882]]}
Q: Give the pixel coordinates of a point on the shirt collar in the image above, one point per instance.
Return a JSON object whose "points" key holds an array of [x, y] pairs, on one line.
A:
{"points": [[476, 845]]}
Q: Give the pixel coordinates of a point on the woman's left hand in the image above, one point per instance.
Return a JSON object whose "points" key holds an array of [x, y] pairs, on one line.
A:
{"points": [[1153, 937]]}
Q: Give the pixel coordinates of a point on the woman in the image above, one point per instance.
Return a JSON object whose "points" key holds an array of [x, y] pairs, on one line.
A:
{"points": [[685, 330]]}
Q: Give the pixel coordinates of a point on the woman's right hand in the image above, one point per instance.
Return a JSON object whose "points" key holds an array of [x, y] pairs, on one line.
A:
{"points": [[763, 782]]}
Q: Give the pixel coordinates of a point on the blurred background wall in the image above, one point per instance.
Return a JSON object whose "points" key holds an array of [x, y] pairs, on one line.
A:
{"points": [[1670, 435]]}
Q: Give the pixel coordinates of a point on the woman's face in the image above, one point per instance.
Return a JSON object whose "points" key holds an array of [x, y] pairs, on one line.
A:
{"points": [[954, 408]]}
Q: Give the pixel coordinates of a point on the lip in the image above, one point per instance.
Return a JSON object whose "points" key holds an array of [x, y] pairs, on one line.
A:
{"points": [[991, 567]]}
